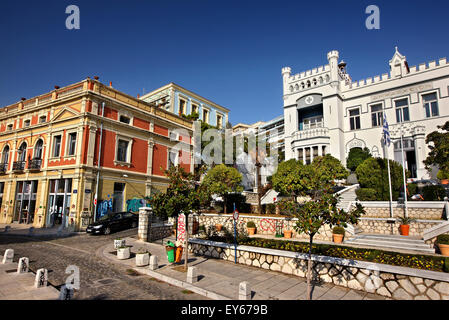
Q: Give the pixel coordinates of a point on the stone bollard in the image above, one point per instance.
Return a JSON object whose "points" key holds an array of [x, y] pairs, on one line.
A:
{"points": [[244, 291], [41, 278], [66, 293], [192, 275], [7, 229], [23, 266], [30, 231], [153, 262], [9, 256]]}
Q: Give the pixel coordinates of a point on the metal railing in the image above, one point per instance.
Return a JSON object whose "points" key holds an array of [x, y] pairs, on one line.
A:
{"points": [[3, 167], [34, 164], [18, 165]]}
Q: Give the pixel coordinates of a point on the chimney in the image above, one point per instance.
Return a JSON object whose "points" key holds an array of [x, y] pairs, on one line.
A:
{"points": [[110, 84], [96, 78]]}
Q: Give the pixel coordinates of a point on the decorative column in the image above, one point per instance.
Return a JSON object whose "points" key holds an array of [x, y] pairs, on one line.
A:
{"points": [[320, 150], [311, 154], [303, 155]]}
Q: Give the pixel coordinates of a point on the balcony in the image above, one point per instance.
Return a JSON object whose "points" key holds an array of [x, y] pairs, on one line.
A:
{"points": [[18, 166], [317, 132], [3, 168], [34, 164]]}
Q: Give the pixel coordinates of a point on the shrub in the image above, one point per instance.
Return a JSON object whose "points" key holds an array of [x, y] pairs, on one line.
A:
{"points": [[373, 173], [412, 189], [250, 224], [338, 230], [356, 156], [443, 174], [443, 239], [270, 208], [366, 194], [433, 193]]}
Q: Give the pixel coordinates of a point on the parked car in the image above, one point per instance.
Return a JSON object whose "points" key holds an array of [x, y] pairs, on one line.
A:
{"points": [[112, 222]]}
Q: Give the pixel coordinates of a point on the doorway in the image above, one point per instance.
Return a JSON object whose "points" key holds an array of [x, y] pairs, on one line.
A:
{"points": [[59, 202], [119, 190]]}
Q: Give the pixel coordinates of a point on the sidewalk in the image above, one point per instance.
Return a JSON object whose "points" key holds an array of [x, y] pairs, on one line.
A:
{"points": [[219, 279], [24, 230], [15, 286]]}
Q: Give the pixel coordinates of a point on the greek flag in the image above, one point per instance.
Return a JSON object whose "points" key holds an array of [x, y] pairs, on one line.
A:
{"points": [[386, 132]]}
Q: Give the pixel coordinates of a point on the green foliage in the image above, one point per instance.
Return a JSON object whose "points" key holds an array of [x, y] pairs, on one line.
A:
{"points": [[338, 230], [405, 220], [222, 180], [250, 224], [418, 261], [373, 173], [412, 189], [366, 194], [270, 208], [443, 239], [433, 193], [442, 174], [192, 117], [323, 171], [289, 178], [356, 156], [438, 143], [182, 195]]}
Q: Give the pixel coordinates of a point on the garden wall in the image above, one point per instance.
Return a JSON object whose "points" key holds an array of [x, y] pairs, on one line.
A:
{"points": [[425, 210], [390, 281]]}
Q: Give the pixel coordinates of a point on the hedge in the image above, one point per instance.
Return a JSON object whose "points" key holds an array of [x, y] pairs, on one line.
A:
{"points": [[433, 193], [424, 262], [366, 194]]}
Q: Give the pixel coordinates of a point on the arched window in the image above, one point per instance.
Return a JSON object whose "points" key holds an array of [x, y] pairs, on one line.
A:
{"points": [[38, 149], [291, 88], [327, 78], [302, 85], [22, 152], [5, 154], [321, 80], [314, 82], [296, 87]]}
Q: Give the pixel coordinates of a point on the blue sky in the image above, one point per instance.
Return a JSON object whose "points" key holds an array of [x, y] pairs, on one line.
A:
{"points": [[230, 52]]}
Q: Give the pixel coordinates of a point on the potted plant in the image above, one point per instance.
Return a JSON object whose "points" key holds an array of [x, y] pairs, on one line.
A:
{"points": [[404, 226], [142, 257], [337, 234], [251, 227], [123, 253], [119, 242], [443, 176], [288, 234], [443, 244], [218, 226]]}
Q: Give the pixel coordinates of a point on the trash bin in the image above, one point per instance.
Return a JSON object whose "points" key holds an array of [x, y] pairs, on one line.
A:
{"points": [[178, 254], [170, 248]]}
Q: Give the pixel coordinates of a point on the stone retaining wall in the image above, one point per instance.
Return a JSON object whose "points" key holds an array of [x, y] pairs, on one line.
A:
{"points": [[424, 210], [382, 226], [390, 281]]}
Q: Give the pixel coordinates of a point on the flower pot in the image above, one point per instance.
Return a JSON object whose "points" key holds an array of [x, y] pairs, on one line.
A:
{"points": [[288, 234], [119, 243], [444, 249], [444, 181], [123, 253], [218, 227], [142, 259], [337, 238], [179, 250], [251, 231], [404, 228]]}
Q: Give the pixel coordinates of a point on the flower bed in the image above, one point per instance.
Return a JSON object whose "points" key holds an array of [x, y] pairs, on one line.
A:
{"points": [[424, 262]]}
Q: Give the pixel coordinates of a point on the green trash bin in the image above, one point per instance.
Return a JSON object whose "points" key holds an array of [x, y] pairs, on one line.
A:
{"points": [[170, 248]]}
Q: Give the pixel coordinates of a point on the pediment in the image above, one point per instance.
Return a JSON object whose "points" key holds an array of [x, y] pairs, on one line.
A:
{"points": [[65, 113]]}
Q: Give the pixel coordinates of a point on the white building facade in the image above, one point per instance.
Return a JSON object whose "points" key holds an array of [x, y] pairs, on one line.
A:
{"points": [[326, 112]]}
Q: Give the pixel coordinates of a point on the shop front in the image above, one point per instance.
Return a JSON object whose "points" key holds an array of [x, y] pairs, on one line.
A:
{"points": [[25, 202], [58, 209]]}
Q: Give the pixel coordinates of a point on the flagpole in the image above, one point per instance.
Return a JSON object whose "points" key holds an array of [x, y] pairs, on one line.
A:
{"points": [[405, 179], [386, 138]]}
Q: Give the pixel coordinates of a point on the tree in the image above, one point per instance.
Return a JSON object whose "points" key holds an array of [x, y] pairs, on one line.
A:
{"points": [[181, 196], [222, 180], [289, 179], [356, 156], [373, 174], [438, 143], [315, 180]]}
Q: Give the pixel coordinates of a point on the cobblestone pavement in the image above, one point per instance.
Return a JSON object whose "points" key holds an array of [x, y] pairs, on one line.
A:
{"points": [[99, 278]]}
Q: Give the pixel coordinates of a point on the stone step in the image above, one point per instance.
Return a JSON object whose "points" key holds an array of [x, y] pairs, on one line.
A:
{"points": [[391, 238], [390, 242], [391, 246]]}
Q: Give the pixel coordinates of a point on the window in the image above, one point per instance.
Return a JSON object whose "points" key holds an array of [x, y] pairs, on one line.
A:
{"points": [[431, 105], [122, 150], [38, 150], [182, 107], [42, 119], [173, 136], [27, 123], [312, 122], [22, 152], [219, 121], [125, 119], [195, 108], [172, 159], [10, 127], [72, 144], [402, 113], [56, 146], [206, 115], [5, 155], [376, 115], [354, 119]]}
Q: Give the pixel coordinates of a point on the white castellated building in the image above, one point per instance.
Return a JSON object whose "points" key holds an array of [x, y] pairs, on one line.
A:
{"points": [[326, 112]]}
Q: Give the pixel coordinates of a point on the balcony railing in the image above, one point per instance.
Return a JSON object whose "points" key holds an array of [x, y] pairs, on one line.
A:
{"points": [[311, 133], [34, 164], [18, 166], [3, 168]]}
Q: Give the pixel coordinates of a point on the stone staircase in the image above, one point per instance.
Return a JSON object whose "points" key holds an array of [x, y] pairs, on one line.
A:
{"points": [[347, 196], [390, 242]]}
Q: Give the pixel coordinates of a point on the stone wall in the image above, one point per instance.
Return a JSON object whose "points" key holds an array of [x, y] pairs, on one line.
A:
{"points": [[148, 231], [159, 231], [390, 281], [425, 210], [382, 226]]}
